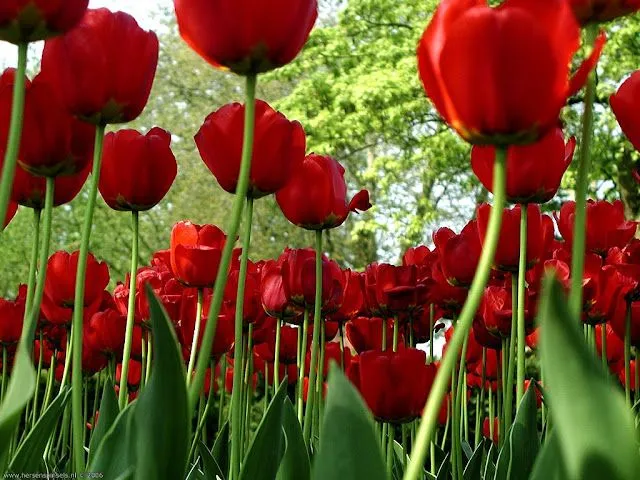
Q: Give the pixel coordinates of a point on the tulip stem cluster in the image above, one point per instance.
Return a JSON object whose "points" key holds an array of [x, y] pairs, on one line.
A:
{"points": [[449, 361], [522, 269]]}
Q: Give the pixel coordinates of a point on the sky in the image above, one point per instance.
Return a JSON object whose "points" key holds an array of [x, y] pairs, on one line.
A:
{"points": [[142, 10]]}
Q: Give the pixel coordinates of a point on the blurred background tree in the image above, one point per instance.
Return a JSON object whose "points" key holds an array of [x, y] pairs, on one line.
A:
{"points": [[356, 90]]}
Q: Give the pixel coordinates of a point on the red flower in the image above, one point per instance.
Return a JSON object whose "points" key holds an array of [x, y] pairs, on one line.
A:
{"points": [[195, 253], [486, 429], [518, 55], [274, 291], [497, 310], [279, 148], [137, 170], [534, 172], [395, 385], [288, 346], [458, 254], [482, 334], [252, 310], [353, 297], [365, 333], [392, 290], [105, 332], [604, 289], [104, 68], [24, 21], [539, 235], [618, 322], [624, 104], [134, 374], [316, 196], [588, 11], [615, 344], [246, 36], [606, 225], [11, 317]]}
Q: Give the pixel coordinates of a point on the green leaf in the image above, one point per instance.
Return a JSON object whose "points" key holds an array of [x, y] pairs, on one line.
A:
{"points": [[466, 449], [28, 458], [209, 465], [549, 464], [162, 416], [443, 472], [267, 448], [490, 463], [519, 452], [195, 474], [595, 429], [220, 450], [115, 455], [295, 463], [472, 470], [22, 384], [108, 414], [349, 445]]}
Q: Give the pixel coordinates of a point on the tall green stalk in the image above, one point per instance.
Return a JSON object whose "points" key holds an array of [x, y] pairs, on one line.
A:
{"points": [[584, 165], [317, 318], [196, 334], [430, 412], [15, 131], [522, 270], [236, 393], [627, 355], [33, 262], [78, 309], [276, 359], [131, 311], [232, 230]]}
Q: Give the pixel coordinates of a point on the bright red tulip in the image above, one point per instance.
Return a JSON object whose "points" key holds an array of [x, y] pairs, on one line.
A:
{"points": [[279, 148], [246, 36], [501, 75], [353, 297], [33, 20], [534, 172], [589, 11], [224, 337], [458, 254], [105, 332], [137, 170], [624, 104], [274, 291], [104, 68], [605, 289], [11, 317], [316, 196], [615, 344]]}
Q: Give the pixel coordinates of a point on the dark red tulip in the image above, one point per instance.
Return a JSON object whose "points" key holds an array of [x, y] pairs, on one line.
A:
{"points": [[607, 226], [252, 310], [590, 11], [486, 429], [604, 289], [458, 254], [279, 148], [223, 340], [395, 385], [442, 293], [274, 290], [315, 197], [624, 104], [288, 346], [392, 290], [534, 172], [497, 310], [615, 344], [11, 317], [137, 170], [105, 332], [353, 297], [104, 68], [519, 55], [619, 318], [195, 253], [540, 233], [23, 21], [134, 374], [365, 333], [474, 349], [246, 36], [482, 334]]}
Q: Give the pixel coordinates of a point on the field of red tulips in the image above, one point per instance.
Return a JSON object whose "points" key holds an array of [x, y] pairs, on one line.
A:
{"points": [[205, 364]]}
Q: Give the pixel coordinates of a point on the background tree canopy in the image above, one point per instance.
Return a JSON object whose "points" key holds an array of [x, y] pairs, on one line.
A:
{"points": [[356, 90]]}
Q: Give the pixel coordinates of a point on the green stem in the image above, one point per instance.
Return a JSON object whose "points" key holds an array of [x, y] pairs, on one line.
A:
{"points": [[196, 334], [627, 355], [301, 364], [276, 359], [131, 310], [149, 341], [15, 131], [232, 230], [4, 372], [37, 392], [247, 392], [390, 450], [341, 341], [33, 263], [430, 412], [143, 363], [395, 334], [603, 337], [508, 382], [432, 316], [78, 310], [49, 388], [522, 269], [236, 393], [314, 342], [584, 165]]}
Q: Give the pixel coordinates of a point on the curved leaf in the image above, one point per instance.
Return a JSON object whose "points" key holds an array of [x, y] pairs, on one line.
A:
{"points": [[108, 414], [115, 454], [295, 464]]}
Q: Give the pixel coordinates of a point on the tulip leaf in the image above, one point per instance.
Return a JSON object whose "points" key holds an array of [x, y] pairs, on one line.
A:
{"points": [[162, 416], [349, 447], [108, 413], [466, 449], [267, 448], [220, 450], [195, 473], [210, 467], [595, 430], [28, 458], [22, 384], [474, 465], [115, 456], [490, 463], [295, 464], [518, 454], [443, 472], [549, 465]]}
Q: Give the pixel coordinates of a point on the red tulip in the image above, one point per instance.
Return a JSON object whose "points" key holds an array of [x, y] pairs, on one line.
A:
{"points": [[137, 170], [518, 55], [278, 149], [353, 297], [396, 385], [316, 196], [11, 317], [365, 333], [486, 429], [246, 36], [224, 337], [482, 334], [534, 172], [288, 346], [105, 332], [134, 374], [23, 21], [442, 293], [195, 253], [458, 254], [604, 290], [589, 11], [615, 344], [252, 311], [624, 104], [104, 68], [606, 225], [392, 290], [274, 291]]}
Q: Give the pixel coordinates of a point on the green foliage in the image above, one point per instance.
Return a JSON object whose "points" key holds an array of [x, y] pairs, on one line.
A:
{"points": [[295, 463]]}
